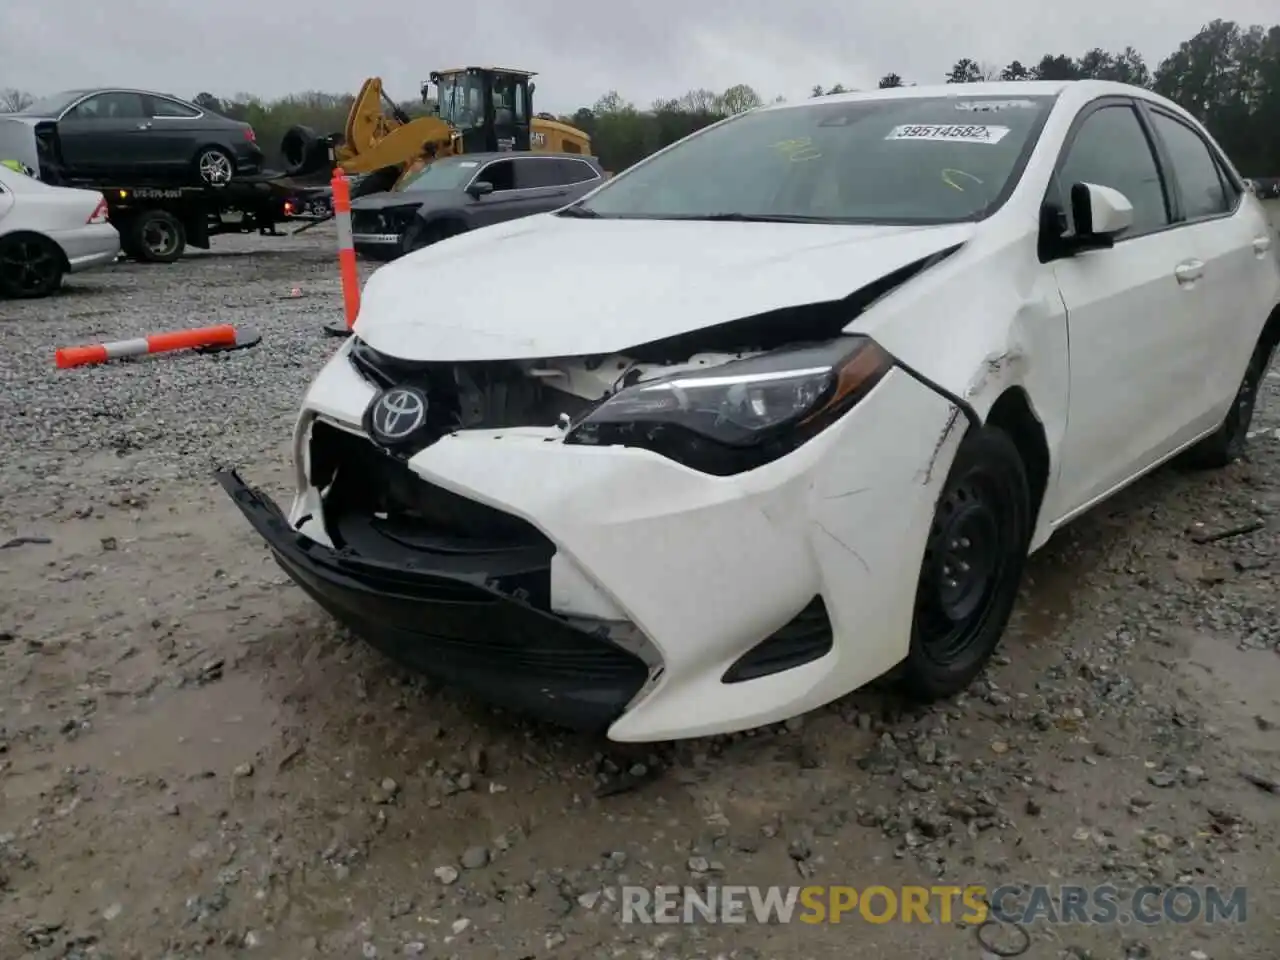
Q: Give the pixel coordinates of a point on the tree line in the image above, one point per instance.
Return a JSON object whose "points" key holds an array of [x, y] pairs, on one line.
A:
{"points": [[1227, 75]]}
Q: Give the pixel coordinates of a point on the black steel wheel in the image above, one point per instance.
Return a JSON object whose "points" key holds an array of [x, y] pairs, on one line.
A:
{"points": [[972, 566], [31, 266], [157, 236], [1228, 442]]}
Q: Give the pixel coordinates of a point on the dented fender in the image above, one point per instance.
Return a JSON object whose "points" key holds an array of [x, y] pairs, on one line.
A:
{"points": [[989, 319]]}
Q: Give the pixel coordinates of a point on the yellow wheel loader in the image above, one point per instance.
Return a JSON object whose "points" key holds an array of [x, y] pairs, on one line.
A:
{"points": [[478, 109]]}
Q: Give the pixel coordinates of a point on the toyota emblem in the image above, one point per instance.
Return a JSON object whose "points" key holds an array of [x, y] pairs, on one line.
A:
{"points": [[398, 413]]}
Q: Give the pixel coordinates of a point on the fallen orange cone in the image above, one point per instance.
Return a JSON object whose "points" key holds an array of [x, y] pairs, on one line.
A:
{"points": [[204, 339]]}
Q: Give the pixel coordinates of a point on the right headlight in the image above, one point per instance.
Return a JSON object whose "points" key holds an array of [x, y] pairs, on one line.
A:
{"points": [[743, 414]]}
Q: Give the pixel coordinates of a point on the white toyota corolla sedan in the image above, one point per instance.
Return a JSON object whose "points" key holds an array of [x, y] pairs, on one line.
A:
{"points": [[781, 408]]}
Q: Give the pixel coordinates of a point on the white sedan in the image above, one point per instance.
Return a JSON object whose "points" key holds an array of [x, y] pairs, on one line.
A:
{"points": [[781, 408], [48, 231]]}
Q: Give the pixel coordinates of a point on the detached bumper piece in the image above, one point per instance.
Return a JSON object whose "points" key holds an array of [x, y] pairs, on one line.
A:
{"points": [[457, 626]]}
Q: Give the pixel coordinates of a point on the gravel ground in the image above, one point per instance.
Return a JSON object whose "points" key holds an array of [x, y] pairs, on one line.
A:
{"points": [[195, 762]]}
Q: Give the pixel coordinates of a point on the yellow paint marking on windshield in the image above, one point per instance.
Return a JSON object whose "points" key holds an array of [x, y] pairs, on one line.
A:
{"points": [[948, 173], [799, 150]]}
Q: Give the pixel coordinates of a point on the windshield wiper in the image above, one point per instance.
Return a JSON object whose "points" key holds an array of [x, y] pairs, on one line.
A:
{"points": [[576, 211], [748, 218]]}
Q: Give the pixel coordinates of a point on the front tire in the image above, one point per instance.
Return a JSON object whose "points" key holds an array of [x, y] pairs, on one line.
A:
{"points": [[972, 566], [1228, 443]]}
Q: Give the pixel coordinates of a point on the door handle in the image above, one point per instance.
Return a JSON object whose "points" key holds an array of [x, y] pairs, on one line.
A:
{"points": [[1189, 271], [1261, 244]]}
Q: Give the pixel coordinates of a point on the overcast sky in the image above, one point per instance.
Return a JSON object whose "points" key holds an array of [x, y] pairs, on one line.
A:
{"points": [[645, 49]]}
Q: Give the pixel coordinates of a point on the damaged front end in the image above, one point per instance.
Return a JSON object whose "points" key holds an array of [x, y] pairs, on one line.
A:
{"points": [[586, 537]]}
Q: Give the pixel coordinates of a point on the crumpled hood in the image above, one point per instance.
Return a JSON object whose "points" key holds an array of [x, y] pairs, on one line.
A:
{"points": [[387, 200], [549, 286]]}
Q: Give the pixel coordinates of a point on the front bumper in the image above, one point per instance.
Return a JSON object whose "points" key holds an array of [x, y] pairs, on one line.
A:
{"points": [[249, 158], [461, 628], [376, 239], [690, 573]]}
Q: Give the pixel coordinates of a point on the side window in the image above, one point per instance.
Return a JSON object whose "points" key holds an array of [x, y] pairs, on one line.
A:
{"points": [[111, 106], [1111, 149], [537, 172], [577, 171], [501, 174], [1199, 179], [521, 107], [161, 107]]}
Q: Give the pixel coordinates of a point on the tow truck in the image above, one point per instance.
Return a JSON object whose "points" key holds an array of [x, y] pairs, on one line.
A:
{"points": [[158, 220]]}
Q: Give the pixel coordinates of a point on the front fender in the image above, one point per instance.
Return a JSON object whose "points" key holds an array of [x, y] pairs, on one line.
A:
{"points": [[985, 320], [436, 216]]}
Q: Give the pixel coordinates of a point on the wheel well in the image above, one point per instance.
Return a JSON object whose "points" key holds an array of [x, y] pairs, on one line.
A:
{"points": [[1271, 330], [449, 226], [1012, 413], [214, 146]]}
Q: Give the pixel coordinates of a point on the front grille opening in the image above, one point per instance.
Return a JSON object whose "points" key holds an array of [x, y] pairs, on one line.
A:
{"points": [[375, 506], [806, 637], [393, 220], [478, 395]]}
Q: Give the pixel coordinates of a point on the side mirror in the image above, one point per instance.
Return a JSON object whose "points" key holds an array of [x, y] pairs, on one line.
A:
{"points": [[1099, 214], [481, 188]]}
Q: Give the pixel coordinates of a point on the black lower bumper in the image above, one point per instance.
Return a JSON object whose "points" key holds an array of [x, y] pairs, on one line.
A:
{"points": [[456, 627]]}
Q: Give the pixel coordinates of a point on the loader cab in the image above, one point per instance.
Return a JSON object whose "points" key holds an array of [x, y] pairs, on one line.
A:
{"points": [[490, 108]]}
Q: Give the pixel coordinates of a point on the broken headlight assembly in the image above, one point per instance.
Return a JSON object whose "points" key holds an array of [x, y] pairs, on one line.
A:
{"points": [[740, 415]]}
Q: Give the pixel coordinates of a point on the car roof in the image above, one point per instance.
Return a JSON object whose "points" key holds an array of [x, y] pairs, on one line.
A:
{"points": [[509, 154], [1081, 90], [145, 93]]}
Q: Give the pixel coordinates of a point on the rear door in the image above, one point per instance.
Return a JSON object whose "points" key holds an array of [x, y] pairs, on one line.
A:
{"points": [[580, 175], [104, 134], [1224, 234], [544, 183], [1134, 313]]}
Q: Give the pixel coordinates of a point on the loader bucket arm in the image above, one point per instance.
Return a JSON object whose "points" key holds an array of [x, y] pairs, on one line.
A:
{"points": [[419, 138], [367, 122]]}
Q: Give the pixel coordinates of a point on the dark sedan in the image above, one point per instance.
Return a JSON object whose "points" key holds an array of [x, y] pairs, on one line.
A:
{"points": [[456, 194], [136, 134]]}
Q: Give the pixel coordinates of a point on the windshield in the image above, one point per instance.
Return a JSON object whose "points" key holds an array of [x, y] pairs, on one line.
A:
{"points": [[461, 100], [892, 160], [446, 174], [53, 105]]}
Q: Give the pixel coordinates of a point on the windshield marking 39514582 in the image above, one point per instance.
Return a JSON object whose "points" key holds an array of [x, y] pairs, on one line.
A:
{"points": [[949, 132]]}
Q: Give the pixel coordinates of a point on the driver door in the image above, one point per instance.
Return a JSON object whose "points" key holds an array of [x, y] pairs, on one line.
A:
{"points": [[497, 206], [1133, 315], [105, 134]]}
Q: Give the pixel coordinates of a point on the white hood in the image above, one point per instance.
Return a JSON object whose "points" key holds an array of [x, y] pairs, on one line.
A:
{"points": [[550, 286]]}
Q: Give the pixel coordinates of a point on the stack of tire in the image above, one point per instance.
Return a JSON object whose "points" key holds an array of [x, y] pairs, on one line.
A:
{"points": [[305, 153]]}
